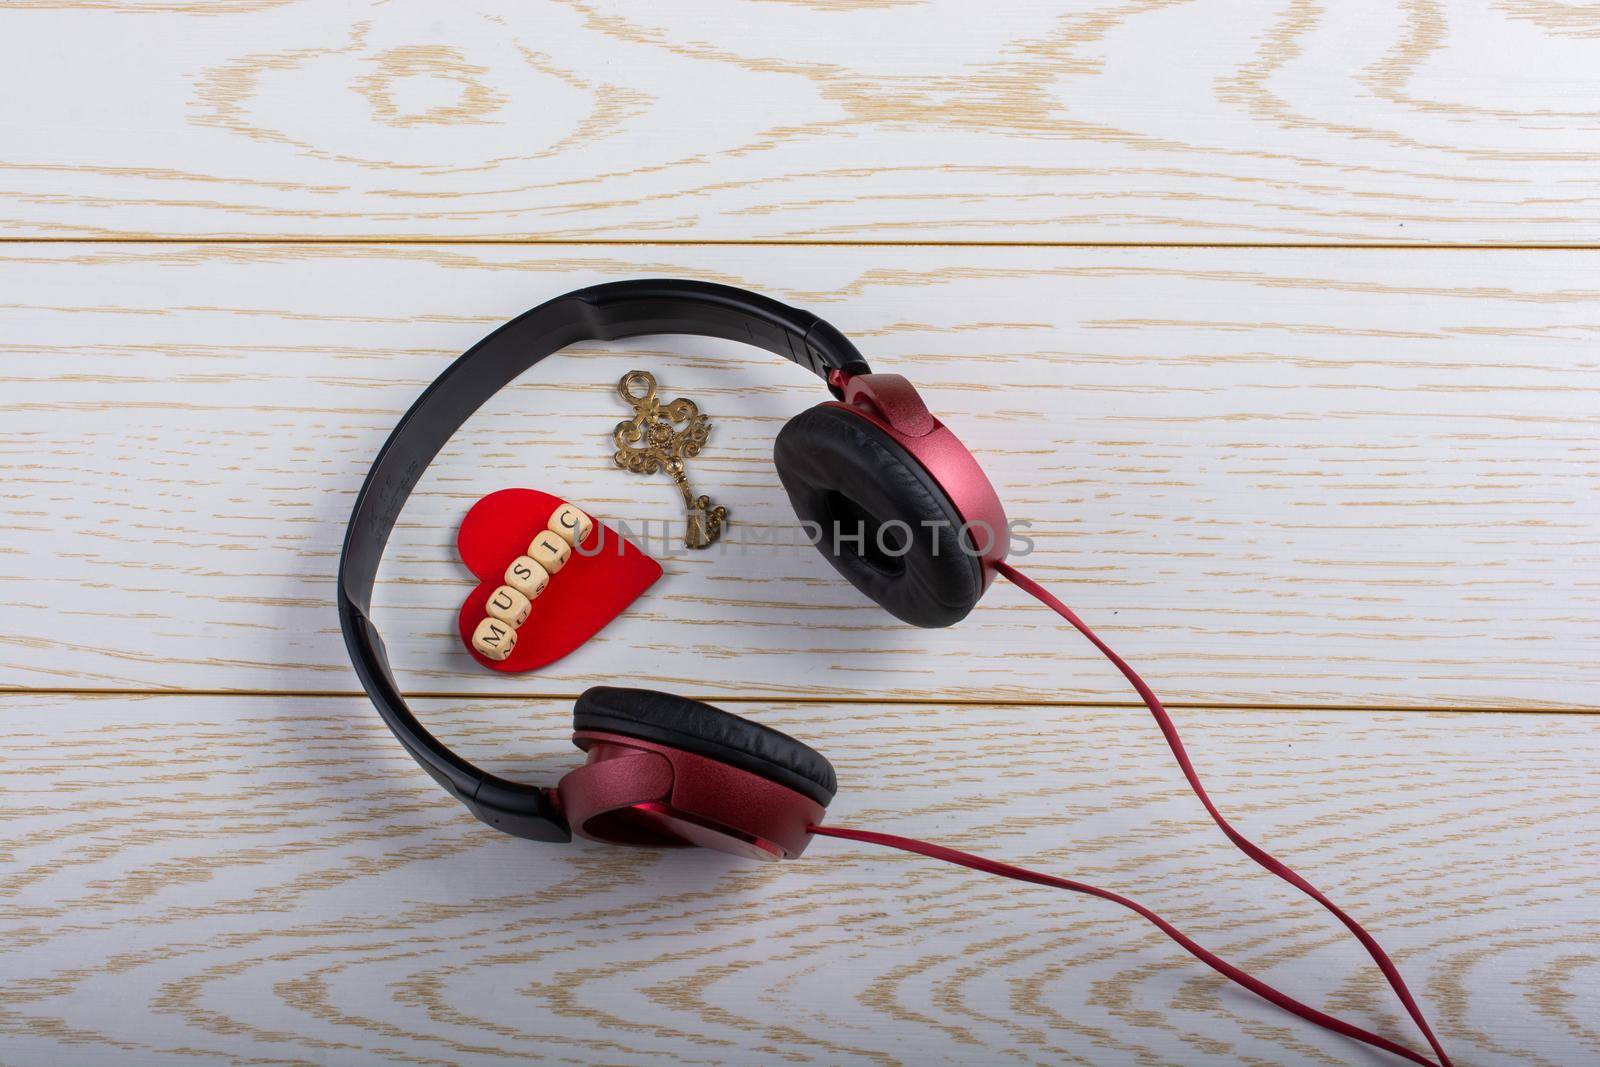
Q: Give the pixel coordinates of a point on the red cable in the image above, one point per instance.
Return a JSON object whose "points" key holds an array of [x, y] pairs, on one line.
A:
{"points": [[1255, 852], [1209, 958]]}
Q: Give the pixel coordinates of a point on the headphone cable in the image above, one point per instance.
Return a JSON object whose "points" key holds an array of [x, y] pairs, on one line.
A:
{"points": [[1170, 731]]}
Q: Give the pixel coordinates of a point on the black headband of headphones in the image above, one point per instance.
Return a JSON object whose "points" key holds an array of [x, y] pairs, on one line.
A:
{"points": [[600, 313]]}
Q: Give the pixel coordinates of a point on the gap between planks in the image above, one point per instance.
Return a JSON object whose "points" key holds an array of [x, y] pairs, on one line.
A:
{"points": [[613, 242], [446, 694]]}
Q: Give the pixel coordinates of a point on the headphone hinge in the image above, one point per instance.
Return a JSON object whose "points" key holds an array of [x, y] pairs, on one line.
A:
{"points": [[892, 398]]}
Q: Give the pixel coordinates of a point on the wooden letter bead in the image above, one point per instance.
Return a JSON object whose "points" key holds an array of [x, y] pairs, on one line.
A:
{"points": [[527, 577], [550, 551], [494, 639], [572, 524], [509, 606]]}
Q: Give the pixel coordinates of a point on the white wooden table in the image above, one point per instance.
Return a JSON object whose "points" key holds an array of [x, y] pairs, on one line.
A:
{"points": [[1277, 322]]}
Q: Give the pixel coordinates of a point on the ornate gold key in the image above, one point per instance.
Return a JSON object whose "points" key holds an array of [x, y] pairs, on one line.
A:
{"points": [[660, 437]]}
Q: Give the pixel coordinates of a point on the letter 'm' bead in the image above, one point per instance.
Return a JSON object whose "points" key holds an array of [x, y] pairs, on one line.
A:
{"points": [[494, 639], [572, 524], [509, 606], [527, 577]]}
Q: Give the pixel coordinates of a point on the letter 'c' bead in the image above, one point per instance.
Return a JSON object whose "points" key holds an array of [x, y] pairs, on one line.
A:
{"points": [[527, 577], [509, 606], [494, 639], [549, 551], [572, 524]]}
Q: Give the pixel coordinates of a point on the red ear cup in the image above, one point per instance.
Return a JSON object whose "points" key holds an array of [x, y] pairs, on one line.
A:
{"points": [[668, 772], [892, 403], [900, 507]]}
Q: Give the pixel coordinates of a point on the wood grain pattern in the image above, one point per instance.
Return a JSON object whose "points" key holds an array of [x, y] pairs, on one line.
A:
{"points": [[1149, 121], [1367, 479], [253, 879], [1292, 478]]}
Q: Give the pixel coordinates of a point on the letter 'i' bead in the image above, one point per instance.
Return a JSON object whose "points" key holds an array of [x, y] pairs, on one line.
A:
{"points": [[509, 606], [572, 524], [527, 577], [549, 551], [494, 639]]}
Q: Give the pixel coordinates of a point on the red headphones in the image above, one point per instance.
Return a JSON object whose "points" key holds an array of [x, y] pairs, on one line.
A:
{"points": [[904, 513]]}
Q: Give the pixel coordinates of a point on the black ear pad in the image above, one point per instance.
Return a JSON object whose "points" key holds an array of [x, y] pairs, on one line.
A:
{"points": [[848, 476], [709, 732]]}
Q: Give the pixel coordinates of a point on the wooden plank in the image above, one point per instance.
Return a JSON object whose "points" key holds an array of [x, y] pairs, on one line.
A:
{"points": [[1148, 122], [1366, 479], [271, 880]]}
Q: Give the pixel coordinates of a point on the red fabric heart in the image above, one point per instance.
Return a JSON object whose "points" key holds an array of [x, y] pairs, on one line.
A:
{"points": [[602, 576]]}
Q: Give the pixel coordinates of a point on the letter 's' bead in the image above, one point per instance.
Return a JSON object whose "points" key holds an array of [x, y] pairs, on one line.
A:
{"points": [[527, 577]]}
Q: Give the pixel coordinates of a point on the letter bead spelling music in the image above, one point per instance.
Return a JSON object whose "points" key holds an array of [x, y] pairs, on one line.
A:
{"points": [[509, 606], [572, 524], [527, 577], [494, 639], [549, 551]]}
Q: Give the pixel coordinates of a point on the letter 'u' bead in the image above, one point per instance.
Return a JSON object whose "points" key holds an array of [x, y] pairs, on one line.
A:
{"points": [[527, 577], [509, 606], [494, 639], [572, 524], [549, 551]]}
